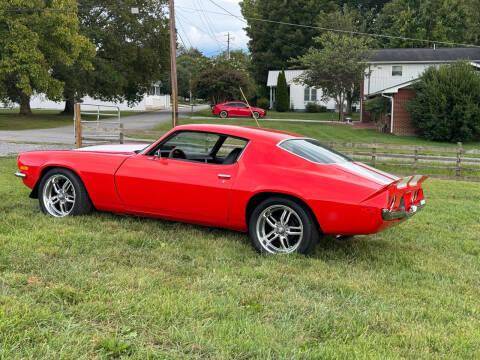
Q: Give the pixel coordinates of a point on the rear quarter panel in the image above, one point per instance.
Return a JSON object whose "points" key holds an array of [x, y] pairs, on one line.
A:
{"points": [[96, 171], [334, 198]]}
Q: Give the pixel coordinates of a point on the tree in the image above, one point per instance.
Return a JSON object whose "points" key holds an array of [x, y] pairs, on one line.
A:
{"points": [[190, 62], [272, 45], [447, 103], [132, 51], [282, 102], [220, 82], [439, 20], [35, 37], [336, 66]]}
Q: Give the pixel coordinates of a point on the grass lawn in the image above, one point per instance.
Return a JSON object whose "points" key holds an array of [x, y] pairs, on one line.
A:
{"points": [[41, 119], [327, 116], [106, 286], [323, 132]]}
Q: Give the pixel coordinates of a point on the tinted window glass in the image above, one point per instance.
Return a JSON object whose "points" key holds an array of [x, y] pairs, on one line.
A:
{"points": [[192, 143], [313, 150], [229, 145]]}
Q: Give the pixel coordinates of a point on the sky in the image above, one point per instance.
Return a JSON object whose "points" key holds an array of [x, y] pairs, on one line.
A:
{"points": [[200, 24]]}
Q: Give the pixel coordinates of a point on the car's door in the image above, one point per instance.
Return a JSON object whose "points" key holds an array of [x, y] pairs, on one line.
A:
{"points": [[178, 188], [243, 109]]}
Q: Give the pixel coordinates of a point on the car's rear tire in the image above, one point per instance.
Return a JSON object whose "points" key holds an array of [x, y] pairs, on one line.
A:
{"points": [[280, 225], [62, 193], [223, 114]]}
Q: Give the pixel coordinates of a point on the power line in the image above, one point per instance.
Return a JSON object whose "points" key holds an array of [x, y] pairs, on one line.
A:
{"points": [[243, 19], [184, 32]]}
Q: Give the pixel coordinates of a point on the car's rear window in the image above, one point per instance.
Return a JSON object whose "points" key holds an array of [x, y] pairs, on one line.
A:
{"points": [[313, 150]]}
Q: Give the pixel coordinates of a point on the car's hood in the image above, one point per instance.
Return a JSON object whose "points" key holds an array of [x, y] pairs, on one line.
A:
{"points": [[115, 148]]}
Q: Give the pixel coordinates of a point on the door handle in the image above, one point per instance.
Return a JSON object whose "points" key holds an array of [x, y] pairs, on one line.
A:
{"points": [[224, 176]]}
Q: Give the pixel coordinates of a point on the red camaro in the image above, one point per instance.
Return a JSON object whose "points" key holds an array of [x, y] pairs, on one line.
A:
{"points": [[237, 109], [283, 189]]}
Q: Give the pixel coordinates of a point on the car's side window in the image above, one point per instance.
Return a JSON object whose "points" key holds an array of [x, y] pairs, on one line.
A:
{"points": [[230, 147], [193, 144]]}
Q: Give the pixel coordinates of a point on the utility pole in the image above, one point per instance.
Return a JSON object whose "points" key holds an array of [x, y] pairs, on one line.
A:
{"points": [[173, 62], [228, 46]]}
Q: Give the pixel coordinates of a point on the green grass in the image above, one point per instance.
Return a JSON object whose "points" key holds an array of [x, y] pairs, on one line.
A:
{"points": [[323, 132], [326, 116], [41, 119], [110, 286]]}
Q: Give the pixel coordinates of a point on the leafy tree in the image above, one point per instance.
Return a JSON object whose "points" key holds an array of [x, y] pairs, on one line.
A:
{"points": [[190, 62], [132, 51], [282, 101], [336, 65], [447, 103], [220, 82], [271, 44], [35, 37], [440, 20]]}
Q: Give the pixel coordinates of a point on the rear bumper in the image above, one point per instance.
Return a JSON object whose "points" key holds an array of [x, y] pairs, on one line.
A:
{"points": [[389, 215]]}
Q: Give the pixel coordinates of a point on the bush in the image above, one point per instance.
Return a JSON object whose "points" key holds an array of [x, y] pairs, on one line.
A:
{"points": [[447, 103], [263, 103], [377, 107], [312, 107], [282, 102]]}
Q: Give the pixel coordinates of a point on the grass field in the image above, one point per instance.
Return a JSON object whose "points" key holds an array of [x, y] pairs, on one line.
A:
{"points": [[41, 119], [110, 286], [326, 116], [323, 132]]}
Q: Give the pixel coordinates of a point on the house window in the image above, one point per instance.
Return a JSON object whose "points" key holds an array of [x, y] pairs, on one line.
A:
{"points": [[397, 70], [310, 94], [306, 94]]}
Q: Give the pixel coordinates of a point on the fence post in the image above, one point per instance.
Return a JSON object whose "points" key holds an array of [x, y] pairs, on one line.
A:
{"points": [[415, 158], [78, 125], [121, 133], [458, 169], [374, 155]]}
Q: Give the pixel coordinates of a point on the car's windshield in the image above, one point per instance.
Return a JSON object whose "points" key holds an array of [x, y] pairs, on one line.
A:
{"points": [[313, 150]]}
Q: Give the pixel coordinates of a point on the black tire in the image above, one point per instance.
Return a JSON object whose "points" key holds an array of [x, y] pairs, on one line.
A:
{"points": [[310, 229], [256, 115], [82, 204], [223, 114]]}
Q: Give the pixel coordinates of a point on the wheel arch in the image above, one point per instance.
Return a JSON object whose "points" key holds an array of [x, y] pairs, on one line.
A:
{"points": [[261, 196], [34, 192]]}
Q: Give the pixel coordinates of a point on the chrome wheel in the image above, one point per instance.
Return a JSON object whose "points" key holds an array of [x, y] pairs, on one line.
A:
{"points": [[279, 229], [59, 195]]}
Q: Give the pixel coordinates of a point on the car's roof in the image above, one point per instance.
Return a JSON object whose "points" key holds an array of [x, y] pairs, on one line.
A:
{"points": [[248, 132]]}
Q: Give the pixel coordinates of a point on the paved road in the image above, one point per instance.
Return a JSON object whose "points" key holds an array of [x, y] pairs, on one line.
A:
{"points": [[12, 142]]}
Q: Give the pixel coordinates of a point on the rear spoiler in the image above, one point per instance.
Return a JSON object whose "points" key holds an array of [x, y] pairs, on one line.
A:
{"points": [[402, 183]]}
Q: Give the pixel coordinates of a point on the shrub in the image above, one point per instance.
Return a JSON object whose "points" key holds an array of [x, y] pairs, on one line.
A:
{"points": [[312, 107], [263, 103], [447, 103], [282, 102], [377, 107]]}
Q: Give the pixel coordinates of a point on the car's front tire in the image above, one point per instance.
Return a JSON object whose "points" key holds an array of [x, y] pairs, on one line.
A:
{"points": [[223, 114], [280, 225], [62, 193], [256, 115]]}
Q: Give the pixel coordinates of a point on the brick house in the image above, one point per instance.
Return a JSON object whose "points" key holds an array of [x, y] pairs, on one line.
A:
{"points": [[392, 72]]}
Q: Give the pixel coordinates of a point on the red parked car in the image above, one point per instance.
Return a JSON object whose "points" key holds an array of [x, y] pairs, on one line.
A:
{"points": [[237, 109], [283, 189]]}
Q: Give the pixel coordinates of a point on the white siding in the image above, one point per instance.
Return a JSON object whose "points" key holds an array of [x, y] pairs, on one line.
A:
{"points": [[297, 100], [149, 102], [381, 76]]}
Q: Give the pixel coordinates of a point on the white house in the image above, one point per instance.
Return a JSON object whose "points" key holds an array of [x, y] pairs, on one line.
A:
{"points": [[153, 100], [392, 72], [300, 95]]}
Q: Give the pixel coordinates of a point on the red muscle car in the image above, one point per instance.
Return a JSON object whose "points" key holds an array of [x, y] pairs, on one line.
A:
{"points": [[283, 189], [237, 109]]}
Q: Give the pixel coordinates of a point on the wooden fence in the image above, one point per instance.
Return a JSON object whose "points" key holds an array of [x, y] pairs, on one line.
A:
{"points": [[455, 161]]}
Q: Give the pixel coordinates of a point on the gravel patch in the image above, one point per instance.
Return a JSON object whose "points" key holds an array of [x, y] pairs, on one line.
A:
{"points": [[11, 149]]}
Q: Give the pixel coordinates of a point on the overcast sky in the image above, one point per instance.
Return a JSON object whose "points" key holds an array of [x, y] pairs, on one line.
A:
{"points": [[201, 25]]}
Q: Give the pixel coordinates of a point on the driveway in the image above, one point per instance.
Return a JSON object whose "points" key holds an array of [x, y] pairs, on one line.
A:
{"points": [[12, 142]]}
